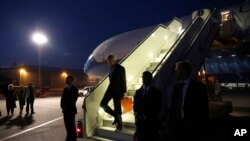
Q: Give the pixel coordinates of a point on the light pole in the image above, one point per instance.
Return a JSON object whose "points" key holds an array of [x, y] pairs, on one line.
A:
{"points": [[39, 39]]}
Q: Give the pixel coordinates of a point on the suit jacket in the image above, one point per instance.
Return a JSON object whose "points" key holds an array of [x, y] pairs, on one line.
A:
{"points": [[10, 98], [117, 86], [68, 100], [30, 92], [195, 104], [148, 105]]}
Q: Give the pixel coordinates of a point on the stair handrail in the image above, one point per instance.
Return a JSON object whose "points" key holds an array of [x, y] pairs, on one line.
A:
{"points": [[160, 25], [84, 106], [127, 56], [187, 28], [187, 50]]}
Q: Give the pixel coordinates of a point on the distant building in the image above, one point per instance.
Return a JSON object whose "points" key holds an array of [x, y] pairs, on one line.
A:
{"points": [[52, 78]]}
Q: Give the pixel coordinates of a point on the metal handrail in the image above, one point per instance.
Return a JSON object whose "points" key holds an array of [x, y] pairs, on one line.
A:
{"points": [[179, 38], [187, 49], [205, 23], [105, 77], [99, 83]]}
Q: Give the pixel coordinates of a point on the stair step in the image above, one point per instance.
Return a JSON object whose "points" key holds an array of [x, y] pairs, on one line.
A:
{"points": [[128, 120], [160, 57], [131, 92], [108, 123], [154, 64], [108, 132], [137, 86], [100, 138], [164, 51], [150, 69]]}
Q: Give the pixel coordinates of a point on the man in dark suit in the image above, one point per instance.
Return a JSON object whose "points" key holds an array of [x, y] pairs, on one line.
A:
{"points": [[30, 93], [68, 105], [116, 90], [189, 110], [147, 106]]}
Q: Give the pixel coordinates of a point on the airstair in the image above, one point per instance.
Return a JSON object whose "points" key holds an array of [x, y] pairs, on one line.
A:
{"points": [[157, 53]]}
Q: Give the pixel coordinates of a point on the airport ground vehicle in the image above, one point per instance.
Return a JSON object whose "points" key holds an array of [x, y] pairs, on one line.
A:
{"points": [[84, 91], [42, 92]]}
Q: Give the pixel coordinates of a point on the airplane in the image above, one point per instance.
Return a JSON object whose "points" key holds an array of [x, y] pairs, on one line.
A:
{"points": [[218, 40], [228, 56]]}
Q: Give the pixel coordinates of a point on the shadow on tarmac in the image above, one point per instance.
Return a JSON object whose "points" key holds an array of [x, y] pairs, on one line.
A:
{"points": [[20, 121]]}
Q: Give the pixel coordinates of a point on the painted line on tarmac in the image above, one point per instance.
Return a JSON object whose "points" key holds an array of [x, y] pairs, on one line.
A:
{"points": [[14, 135]]}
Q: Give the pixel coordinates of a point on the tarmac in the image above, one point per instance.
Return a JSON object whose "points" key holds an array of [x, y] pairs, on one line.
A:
{"points": [[47, 123]]}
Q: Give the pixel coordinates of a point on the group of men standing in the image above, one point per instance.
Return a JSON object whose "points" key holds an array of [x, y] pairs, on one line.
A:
{"points": [[23, 95], [187, 117]]}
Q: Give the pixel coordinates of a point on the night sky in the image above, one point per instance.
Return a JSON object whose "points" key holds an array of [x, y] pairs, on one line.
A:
{"points": [[76, 27]]}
